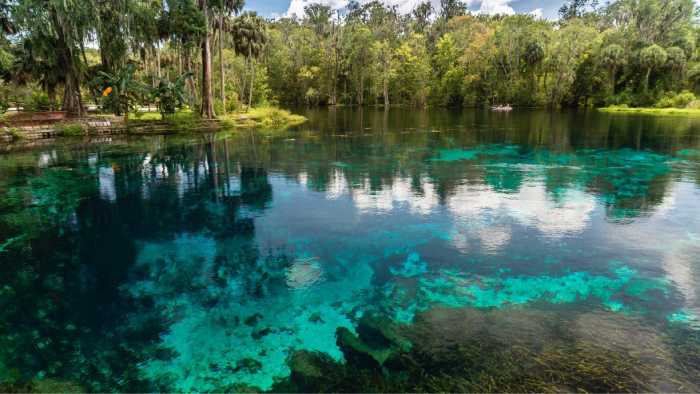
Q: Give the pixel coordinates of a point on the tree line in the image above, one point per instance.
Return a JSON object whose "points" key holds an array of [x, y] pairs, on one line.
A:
{"points": [[628, 52]]}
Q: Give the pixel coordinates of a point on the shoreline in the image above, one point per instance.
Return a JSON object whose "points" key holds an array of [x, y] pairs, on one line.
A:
{"points": [[690, 112], [152, 123]]}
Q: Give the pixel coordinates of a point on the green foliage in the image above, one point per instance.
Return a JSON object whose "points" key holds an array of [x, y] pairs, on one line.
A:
{"points": [[14, 133], [693, 110], [612, 55], [170, 96], [619, 53], [183, 21], [653, 56], [70, 129], [676, 58], [680, 100], [232, 104], [60, 28], [39, 101], [266, 118], [120, 91], [626, 52], [4, 105]]}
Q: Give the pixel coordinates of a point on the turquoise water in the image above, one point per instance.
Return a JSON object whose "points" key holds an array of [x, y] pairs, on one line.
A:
{"points": [[363, 251]]}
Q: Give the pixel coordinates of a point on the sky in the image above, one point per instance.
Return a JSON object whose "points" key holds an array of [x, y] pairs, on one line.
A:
{"points": [[545, 8]]}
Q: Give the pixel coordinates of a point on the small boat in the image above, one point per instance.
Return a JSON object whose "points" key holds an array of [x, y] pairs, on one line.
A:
{"points": [[501, 108]]}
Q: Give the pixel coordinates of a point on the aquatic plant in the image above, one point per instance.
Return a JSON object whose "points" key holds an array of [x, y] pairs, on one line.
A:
{"points": [[479, 357], [238, 305]]}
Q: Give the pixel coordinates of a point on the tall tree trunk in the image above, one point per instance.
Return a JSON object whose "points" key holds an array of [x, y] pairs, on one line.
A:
{"points": [[158, 65], [191, 87], [334, 80], [613, 71], [207, 110], [221, 60], [385, 87], [51, 94], [179, 59], [252, 80], [72, 101], [361, 92], [646, 79]]}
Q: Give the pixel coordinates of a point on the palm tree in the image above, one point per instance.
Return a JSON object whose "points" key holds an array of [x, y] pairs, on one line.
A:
{"points": [[652, 57], [533, 57], [250, 37], [612, 57]]}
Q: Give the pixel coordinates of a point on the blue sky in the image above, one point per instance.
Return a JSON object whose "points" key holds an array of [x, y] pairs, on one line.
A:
{"points": [[547, 8]]}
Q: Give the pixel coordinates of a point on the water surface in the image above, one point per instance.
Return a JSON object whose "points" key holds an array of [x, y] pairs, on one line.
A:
{"points": [[364, 251]]}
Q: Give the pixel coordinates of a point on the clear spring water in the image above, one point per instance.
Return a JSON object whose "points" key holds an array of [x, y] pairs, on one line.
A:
{"points": [[211, 262]]}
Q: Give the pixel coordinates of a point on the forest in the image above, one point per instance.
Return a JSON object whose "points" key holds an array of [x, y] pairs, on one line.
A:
{"points": [[211, 56]]}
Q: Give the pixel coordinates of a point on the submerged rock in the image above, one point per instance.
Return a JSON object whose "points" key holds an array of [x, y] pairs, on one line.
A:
{"points": [[306, 365], [253, 319], [377, 341]]}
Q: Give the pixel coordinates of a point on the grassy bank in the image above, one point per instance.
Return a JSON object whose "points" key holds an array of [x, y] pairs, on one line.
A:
{"points": [[651, 111], [265, 118], [180, 116]]}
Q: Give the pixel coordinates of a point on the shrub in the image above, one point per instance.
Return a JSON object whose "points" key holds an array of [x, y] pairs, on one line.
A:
{"points": [[623, 98], [15, 133], [695, 104], [70, 129], [680, 100], [4, 105], [232, 104], [170, 96], [38, 101], [120, 91]]}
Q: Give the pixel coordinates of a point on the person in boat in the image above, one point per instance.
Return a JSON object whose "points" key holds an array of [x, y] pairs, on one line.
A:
{"points": [[506, 107]]}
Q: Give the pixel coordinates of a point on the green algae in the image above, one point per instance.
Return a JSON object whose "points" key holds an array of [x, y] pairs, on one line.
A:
{"points": [[450, 155], [413, 266], [460, 289]]}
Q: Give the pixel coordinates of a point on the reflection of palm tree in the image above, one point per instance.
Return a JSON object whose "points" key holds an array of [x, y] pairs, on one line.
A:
{"points": [[249, 36]]}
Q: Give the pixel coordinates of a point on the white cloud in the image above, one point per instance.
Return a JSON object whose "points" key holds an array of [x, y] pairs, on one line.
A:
{"points": [[537, 13], [296, 7], [530, 206], [397, 195], [490, 7]]}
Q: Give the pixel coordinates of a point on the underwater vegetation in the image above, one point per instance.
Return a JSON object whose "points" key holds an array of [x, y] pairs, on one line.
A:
{"points": [[500, 351], [460, 289]]}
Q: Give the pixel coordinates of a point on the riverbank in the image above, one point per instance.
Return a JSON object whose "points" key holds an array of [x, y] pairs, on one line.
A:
{"points": [[262, 117], [651, 111], [44, 125]]}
